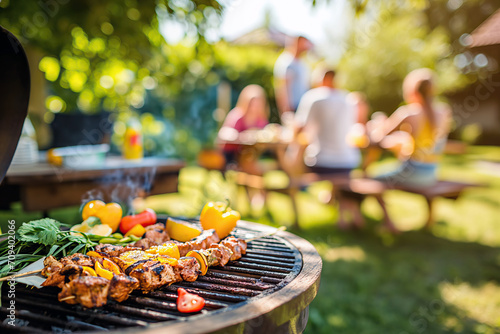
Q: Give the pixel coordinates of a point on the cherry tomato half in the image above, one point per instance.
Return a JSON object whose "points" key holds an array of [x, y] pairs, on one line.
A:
{"points": [[189, 302]]}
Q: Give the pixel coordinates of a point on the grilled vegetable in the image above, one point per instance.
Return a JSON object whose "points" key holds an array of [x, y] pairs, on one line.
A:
{"points": [[189, 302], [202, 260], [181, 231], [100, 271], [111, 266], [219, 216], [138, 230], [89, 270], [169, 249], [145, 218]]}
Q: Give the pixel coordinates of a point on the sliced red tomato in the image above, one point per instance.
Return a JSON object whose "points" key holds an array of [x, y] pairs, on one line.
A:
{"points": [[189, 302]]}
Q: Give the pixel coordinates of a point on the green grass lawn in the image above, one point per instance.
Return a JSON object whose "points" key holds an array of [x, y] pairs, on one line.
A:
{"points": [[443, 281]]}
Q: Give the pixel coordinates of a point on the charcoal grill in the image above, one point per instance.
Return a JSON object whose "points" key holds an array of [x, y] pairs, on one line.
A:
{"points": [[268, 290]]}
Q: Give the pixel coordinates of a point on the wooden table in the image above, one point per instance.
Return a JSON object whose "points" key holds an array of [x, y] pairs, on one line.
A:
{"points": [[41, 186]]}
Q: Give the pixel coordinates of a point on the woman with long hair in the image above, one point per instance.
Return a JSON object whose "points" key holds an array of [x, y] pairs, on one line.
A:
{"points": [[426, 121], [251, 112]]}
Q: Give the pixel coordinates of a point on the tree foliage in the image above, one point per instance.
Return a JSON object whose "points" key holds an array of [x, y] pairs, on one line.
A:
{"points": [[393, 37]]}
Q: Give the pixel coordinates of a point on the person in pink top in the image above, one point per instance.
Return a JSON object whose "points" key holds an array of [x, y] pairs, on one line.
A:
{"points": [[251, 112]]}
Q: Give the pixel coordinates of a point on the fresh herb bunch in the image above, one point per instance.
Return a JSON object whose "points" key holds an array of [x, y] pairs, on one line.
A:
{"points": [[39, 238]]}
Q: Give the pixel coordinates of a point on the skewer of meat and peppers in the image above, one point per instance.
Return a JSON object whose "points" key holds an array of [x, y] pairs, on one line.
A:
{"points": [[97, 263]]}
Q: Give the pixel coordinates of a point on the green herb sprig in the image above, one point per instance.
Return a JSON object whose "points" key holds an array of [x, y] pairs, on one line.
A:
{"points": [[39, 238]]}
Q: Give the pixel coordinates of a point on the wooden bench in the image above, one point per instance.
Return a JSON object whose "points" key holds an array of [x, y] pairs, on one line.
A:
{"points": [[252, 182], [358, 189]]}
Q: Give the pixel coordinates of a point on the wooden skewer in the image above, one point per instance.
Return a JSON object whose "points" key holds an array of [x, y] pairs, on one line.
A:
{"points": [[67, 298], [282, 228], [28, 273]]}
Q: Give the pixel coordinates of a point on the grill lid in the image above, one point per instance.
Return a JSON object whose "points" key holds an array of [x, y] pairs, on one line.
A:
{"points": [[15, 90]]}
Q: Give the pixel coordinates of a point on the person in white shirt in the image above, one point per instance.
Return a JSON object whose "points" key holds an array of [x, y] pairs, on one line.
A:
{"points": [[322, 122], [291, 75], [326, 116]]}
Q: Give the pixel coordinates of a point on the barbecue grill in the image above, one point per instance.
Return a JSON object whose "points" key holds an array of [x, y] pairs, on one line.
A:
{"points": [[268, 290]]}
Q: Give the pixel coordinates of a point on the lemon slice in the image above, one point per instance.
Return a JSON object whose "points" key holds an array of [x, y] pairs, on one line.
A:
{"points": [[79, 228], [102, 230]]}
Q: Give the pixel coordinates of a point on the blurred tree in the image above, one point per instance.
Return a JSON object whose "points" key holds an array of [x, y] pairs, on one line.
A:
{"points": [[101, 54], [393, 37]]}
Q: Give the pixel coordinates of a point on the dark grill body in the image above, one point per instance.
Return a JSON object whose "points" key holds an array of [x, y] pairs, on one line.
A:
{"points": [[249, 295]]}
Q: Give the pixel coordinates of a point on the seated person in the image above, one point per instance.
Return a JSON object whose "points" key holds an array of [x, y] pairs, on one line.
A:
{"points": [[325, 116], [251, 112], [426, 122]]}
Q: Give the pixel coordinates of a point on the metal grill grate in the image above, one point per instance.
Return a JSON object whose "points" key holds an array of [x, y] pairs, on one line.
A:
{"points": [[270, 263]]}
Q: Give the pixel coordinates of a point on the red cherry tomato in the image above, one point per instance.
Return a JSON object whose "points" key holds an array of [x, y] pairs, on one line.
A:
{"points": [[188, 302]]}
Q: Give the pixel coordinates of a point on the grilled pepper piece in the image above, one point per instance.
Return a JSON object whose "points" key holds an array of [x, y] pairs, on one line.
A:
{"points": [[100, 271], [219, 216]]}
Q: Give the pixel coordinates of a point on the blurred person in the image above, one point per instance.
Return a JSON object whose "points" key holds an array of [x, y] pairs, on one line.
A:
{"points": [[324, 117], [251, 112], [420, 129], [424, 122], [291, 75]]}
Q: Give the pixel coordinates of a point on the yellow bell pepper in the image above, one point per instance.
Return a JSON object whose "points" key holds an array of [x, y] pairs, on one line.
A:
{"points": [[109, 214], [100, 271], [89, 270], [169, 249], [219, 216]]}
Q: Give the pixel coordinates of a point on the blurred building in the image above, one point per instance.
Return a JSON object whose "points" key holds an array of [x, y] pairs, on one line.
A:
{"points": [[479, 104]]}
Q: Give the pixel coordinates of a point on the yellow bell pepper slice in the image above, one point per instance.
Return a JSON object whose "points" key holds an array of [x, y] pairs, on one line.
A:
{"points": [[138, 230], [169, 249], [168, 260], [94, 254], [202, 260], [111, 266], [89, 270], [100, 271]]}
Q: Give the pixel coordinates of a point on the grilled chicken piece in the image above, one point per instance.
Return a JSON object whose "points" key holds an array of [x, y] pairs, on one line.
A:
{"points": [[217, 255], [157, 233], [66, 274], [114, 251], [187, 269], [202, 241], [121, 286], [51, 266], [89, 291], [144, 244], [78, 259], [151, 274], [237, 246]]}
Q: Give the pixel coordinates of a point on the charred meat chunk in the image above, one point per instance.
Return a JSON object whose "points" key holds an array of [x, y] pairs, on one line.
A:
{"points": [[88, 291], [202, 241], [121, 286], [237, 246], [112, 250]]}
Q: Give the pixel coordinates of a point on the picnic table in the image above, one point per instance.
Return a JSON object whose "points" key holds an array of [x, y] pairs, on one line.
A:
{"points": [[42, 186]]}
